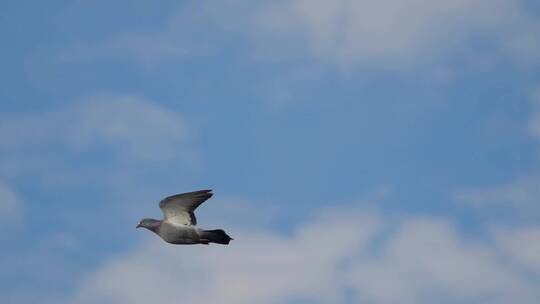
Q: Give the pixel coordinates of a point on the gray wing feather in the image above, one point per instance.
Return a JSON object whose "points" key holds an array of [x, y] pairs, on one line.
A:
{"points": [[178, 209]]}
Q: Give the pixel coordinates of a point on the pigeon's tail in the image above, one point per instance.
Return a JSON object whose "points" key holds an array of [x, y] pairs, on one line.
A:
{"points": [[216, 236]]}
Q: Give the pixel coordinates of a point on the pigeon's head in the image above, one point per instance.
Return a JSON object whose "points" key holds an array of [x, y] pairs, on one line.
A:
{"points": [[149, 224]]}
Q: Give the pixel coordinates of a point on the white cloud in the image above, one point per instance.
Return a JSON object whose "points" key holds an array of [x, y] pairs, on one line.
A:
{"points": [[343, 32], [137, 128], [520, 195], [427, 259], [338, 257], [522, 244], [390, 30], [10, 204]]}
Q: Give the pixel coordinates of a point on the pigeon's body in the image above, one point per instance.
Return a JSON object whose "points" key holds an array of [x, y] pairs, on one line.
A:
{"points": [[178, 225], [180, 234]]}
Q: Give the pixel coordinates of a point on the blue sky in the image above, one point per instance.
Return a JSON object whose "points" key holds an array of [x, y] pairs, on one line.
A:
{"points": [[360, 152]]}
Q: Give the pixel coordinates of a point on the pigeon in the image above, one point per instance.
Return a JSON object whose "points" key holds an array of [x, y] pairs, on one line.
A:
{"points": [[179, 222]]}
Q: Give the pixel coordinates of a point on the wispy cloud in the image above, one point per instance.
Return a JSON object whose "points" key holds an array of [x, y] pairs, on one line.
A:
{"points": [[102, 141], [10, 204], [336, 258], [522, 244], [519, 195], [389, 30], [137, 128], [342, 32]]}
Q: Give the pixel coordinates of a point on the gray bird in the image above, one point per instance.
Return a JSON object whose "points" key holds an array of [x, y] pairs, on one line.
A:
{"points": [[178, 224]]}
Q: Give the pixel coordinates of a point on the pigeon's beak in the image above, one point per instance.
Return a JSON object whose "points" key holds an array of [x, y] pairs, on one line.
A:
{"points": [[138, 225]]}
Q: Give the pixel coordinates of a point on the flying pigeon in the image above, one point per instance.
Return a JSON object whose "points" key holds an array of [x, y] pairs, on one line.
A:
{"points": [[178, 224]]}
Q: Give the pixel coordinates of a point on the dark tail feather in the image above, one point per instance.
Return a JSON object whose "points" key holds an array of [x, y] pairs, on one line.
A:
{"points": [[217, 236]]}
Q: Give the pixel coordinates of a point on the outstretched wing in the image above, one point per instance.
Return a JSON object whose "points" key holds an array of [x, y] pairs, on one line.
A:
{"points": [[178, 209]]}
